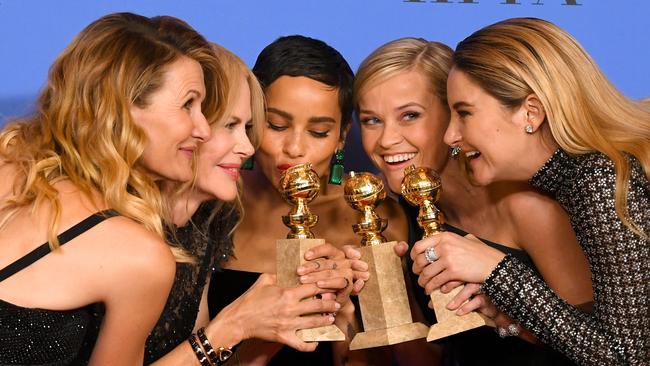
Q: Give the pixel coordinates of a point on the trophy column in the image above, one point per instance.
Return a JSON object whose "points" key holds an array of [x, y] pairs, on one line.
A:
{"points": [[299, 185], [384, 303], [422, 187]]}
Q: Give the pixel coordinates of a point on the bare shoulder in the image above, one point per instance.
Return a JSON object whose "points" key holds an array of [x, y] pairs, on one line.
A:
{"points": [[530, 206], [537, 218], [133, 254]]}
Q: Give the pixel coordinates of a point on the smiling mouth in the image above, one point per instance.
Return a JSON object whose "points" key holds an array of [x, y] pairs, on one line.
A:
{"points": [[472, 155], [398, 158]]}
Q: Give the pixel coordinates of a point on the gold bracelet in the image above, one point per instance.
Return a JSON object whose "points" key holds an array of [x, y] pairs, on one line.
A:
{"points": [[218, 357]]}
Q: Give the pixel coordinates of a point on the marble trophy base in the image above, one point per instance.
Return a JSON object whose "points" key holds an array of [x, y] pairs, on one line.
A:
{"points": [[448, 322], [384, 303], [290, 256]]}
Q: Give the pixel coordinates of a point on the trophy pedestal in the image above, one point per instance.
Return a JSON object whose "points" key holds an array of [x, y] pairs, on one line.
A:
{"points": [[448, 322], [290, 256], [384, 303]]}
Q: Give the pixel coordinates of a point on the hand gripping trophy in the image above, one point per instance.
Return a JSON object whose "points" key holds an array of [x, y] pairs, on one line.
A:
{"points": [[384, 303], [299, 185], [422, 187]]}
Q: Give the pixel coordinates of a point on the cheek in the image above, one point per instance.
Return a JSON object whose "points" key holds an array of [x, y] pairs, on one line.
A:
{"points": [[369, 140]]}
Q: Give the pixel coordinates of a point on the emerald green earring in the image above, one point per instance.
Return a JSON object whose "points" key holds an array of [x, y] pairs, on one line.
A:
{"points": [[336, 170], [248, 164]]}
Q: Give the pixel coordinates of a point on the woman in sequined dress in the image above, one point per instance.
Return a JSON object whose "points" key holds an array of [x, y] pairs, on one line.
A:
{"points": [[529, 104], [204, 226], [120, 114], [401, 96]]}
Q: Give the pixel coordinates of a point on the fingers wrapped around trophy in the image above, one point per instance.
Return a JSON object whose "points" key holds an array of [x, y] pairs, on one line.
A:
{"points": [[299, 185], [385, 309], [422, 187]]}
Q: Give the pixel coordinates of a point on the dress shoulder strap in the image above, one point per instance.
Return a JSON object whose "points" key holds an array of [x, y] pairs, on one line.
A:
{"points": [[41, 251]]}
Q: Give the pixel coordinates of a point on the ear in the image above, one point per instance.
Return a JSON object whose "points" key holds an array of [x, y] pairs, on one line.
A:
{"points": [[534, 112], [343, 136]]}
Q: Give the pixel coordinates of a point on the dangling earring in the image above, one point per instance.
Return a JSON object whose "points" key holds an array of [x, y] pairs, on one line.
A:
{"points": [[248, 164], [336, 170], [529, 129], [454, 151]]}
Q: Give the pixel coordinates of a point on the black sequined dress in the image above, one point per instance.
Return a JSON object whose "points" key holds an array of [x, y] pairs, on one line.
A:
{"points": [[31, 336], [618, 332], [210, 244]]}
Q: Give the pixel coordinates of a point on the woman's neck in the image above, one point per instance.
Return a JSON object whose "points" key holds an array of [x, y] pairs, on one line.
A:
{"points": [[185, 205], [460, 200]]}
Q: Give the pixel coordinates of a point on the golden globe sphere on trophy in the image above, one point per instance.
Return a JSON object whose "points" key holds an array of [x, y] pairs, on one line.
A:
{"points": [[422, 187], [299, 185], [385, 309]]}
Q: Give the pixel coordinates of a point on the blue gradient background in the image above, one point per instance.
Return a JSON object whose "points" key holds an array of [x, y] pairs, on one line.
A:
{"points": [[615, 32]]}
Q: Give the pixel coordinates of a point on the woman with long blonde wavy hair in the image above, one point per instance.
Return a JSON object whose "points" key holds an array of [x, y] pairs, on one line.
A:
{"points": [[529, 104], [122, 111]]}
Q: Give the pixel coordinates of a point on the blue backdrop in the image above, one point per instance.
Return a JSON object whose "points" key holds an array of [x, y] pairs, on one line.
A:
{"points": [[32, 33]]}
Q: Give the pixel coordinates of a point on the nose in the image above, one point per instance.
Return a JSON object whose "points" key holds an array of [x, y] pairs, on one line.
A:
{"points": [[390, 135], [244, 147], [294, 146], [201, 130], [453, 135]]}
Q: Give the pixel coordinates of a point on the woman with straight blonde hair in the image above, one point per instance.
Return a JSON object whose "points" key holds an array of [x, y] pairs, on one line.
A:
{"points": [[205, 213], [401, 96], [529, 104], [122, 111]]}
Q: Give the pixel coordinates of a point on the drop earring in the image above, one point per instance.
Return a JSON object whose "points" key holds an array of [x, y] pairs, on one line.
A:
{"points": [[336, 169], [529, 129], [248, 164]]}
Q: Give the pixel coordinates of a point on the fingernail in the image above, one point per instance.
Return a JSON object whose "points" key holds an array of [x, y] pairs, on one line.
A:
{"points": [[304, 278], [301, 270], [460, 312], [337, 305], [331, 319], [320, 283], [309, 254]]}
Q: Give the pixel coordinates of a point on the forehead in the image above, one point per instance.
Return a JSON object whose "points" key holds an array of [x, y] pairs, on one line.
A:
{"points": [[400, 86], [460, 84], [184, 74], [301, 95]]}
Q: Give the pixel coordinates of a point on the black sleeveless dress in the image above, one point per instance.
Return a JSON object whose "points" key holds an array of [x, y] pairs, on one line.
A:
{"points": [[46, 337], [481, 346]]}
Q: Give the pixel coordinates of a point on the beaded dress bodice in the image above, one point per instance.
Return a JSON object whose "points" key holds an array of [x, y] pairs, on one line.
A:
{"points": [[209, 243], [618, 332]]}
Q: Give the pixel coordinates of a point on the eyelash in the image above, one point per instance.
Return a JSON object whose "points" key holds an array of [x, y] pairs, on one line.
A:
{"points": [[409, 116], [188, 104], [316, 134], [370, 121], [462, 114]]}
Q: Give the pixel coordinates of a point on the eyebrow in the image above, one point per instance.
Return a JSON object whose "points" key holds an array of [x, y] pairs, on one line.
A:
{"points": [[280, 113], [193, 91], [461, 104], [288, 116], [411, 104]]}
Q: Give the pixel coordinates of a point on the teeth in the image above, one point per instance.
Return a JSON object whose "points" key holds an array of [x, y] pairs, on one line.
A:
{"points": [[399, 157], [472, 154]]}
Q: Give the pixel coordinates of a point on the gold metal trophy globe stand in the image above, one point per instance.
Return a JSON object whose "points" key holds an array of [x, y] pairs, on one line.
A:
{"points": [[384, 303], [299, 185], [422, 187]]}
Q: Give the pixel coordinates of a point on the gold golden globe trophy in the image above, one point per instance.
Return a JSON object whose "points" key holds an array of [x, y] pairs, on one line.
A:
{"points": [[422, 187], [384, 303], [299, 185]]}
